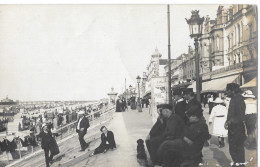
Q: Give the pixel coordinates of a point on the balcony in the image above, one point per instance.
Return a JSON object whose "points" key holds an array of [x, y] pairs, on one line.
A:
{"points": [[228, 68], [223, 70], [249, 63]]}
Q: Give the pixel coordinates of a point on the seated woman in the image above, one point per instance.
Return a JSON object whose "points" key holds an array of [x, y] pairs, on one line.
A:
{"points": [[107, 141]]}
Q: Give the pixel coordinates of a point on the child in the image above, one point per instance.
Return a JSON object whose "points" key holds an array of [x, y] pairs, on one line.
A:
{"points": [[219, 114]]}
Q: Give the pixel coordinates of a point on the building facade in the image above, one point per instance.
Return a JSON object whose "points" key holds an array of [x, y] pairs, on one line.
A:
{"points": [[227, 50]]}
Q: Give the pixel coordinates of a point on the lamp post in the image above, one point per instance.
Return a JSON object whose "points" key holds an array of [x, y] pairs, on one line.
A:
{"points": [[139, 108], [195, 26], [130, 89]]}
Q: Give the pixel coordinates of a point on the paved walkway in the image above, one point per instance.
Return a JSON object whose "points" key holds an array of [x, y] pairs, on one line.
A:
{"points": [[214, 156], [128, 127]]}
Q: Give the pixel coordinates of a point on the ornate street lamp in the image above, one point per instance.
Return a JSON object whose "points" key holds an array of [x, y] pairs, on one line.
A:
{"points": [[139, 108], [195, 25]]}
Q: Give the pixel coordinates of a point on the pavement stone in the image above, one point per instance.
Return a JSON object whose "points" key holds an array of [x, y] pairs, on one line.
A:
{"points": [[128, 127]]}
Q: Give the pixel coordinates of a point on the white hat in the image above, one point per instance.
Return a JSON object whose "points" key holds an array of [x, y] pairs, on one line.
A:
{"points": [[218, 100], [44, 124], [81, 112], [248, 93]]}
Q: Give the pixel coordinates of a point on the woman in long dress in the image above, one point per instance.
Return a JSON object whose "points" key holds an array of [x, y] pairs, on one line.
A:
{"points": [[219, 114], [118, 106]]}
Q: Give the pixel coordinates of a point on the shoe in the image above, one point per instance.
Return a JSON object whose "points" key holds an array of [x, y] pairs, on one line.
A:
{"points": [[81, 150], [105, 151], [87, 146], [92, 154]]}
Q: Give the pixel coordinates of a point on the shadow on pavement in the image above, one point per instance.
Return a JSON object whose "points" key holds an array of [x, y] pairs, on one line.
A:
{"points": [[220, 157], [214, 140]]}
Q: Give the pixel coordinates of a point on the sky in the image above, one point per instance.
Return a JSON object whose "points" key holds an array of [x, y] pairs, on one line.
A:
{"points": [[78, 52]]}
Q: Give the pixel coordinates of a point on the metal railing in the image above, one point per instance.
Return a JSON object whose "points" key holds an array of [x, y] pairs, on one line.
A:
{"points": [[62, 133]]}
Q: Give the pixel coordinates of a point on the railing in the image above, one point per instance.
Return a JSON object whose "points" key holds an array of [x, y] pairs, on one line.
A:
{"points": [[225, 69], [95, 118]]}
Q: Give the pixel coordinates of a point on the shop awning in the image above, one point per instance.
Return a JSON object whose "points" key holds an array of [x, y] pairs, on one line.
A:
{"points": [[147, 94], [250, 84], [216, 85]]}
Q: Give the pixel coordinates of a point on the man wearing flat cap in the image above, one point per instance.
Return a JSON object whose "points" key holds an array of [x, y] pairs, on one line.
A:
{"points": [[82, 126], [174, 127]]}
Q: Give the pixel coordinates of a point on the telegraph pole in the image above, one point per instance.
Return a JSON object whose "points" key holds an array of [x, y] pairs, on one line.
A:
{"points": [[169, 57]]}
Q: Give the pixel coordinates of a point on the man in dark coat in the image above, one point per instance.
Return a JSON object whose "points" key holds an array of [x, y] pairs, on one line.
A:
{"points": [[180, 105], [235, 124], [107, 141], [173, 129], [155, 135], [118, 106], [190, 98], [46, 143], [82, 126]]}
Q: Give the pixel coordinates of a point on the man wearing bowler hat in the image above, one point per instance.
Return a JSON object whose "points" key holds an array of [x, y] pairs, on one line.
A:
{"points": [[82, 126]]}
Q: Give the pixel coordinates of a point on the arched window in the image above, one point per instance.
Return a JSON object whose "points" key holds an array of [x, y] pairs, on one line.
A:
{"points": [[234, 37], [205, 50], [217, 41], [238, 33]]}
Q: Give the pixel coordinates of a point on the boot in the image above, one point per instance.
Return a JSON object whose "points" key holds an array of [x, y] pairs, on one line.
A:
{"points": [[222, 141]]}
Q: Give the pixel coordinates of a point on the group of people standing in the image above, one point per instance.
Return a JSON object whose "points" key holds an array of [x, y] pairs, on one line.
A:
{"points": [[121, 104], [181, 131], [49, 144]]}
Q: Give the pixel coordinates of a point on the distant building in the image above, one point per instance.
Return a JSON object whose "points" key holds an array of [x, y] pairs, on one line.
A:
{"points": [[8, 102]]}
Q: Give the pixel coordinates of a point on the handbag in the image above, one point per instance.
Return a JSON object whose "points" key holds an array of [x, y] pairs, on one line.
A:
{"points": [[54, 147]]}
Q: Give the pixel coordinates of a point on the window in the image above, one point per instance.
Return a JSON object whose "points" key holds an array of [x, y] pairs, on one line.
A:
{"points": [[250, 31], [217, 40], [234, 37], [238, 33], [228, 38]]}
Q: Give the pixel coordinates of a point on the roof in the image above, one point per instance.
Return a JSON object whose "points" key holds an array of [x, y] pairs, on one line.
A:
{"points": [[156, 53], [163, 61]]}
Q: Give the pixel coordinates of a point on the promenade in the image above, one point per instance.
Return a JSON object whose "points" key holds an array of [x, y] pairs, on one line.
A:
{"points": [[128, 127]]}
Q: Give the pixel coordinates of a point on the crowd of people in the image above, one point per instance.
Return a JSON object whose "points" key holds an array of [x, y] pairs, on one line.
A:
{"points": [[181, 131], [43, 122], [121, 104]]}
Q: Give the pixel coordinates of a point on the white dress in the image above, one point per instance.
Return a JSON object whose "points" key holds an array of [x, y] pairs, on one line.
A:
{"points": [[219, 114]]}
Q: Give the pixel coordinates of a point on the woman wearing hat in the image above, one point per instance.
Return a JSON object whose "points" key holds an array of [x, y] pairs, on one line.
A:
{"points": [[219, 114], [250, 117]]}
